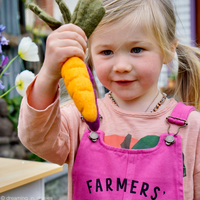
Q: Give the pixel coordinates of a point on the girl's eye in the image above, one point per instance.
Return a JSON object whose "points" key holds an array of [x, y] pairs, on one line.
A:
{"points": [[137, 50], [107, 52]]}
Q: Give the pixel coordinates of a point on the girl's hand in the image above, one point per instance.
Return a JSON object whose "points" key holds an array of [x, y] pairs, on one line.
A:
{"points": [[67, 41]]}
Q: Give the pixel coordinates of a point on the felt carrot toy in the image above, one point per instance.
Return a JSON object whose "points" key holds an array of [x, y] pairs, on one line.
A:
{"points": [[76, 74]]}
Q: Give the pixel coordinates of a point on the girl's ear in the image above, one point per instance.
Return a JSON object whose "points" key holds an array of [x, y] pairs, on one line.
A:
{"points": [[174, 45], [173, 50]]}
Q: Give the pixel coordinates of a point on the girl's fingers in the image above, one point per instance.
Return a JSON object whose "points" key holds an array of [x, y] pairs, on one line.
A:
{"points": [[68, 43], [72, 51], [73, 36], [63, 43], [73, 28]]}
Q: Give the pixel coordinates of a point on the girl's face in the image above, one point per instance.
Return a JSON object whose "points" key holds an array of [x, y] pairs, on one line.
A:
{"points": [[127, 60]]}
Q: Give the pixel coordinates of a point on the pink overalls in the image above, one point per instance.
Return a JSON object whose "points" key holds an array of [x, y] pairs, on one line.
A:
{"points": [[103, 172]]}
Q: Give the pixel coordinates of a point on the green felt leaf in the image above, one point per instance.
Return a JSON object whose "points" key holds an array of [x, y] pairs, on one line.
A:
{"points": [[48, 19], [88, 14], [74, 15], [147, 142], [64, 10]]}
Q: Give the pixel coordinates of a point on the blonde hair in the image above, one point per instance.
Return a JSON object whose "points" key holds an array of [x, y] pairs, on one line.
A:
{"points": [[158, 17]]}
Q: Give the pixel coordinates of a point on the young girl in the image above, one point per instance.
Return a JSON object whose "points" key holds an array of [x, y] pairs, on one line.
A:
{"points": [[127, 49]]}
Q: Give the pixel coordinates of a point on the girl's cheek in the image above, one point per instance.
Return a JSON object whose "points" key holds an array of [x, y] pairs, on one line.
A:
{"points": [[100, 74], [149, 77]]}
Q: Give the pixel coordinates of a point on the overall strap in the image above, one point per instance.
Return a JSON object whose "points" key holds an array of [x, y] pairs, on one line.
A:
{"points": [[180, 114]]}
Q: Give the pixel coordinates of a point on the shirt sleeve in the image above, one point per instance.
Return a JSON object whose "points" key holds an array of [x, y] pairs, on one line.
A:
{"points": [[197, 172], [42, 131]]}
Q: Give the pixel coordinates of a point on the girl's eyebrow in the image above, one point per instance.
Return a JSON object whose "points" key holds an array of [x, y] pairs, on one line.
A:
{"points": [[102, 45], [134, 42], [139, 42]]}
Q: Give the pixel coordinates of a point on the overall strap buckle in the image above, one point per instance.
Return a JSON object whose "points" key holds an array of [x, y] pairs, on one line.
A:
{"points": [[179, 117], [183, 123], [178, 121]]}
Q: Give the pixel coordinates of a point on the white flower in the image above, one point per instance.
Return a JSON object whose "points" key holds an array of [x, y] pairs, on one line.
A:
{"points": [[28, 50], [23, 80]]}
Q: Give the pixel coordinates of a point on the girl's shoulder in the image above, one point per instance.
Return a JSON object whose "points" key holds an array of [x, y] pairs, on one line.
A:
{"points": [[194, 116]]}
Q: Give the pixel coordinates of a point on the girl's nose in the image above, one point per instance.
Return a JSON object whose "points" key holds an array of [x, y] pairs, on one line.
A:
{"points": [[122, 65]]}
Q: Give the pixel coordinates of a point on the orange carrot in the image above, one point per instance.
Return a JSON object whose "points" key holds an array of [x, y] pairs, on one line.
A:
{"points": [[77, 81]]}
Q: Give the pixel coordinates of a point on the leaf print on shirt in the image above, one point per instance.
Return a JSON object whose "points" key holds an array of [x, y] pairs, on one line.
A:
{"points": [[120, 141], [127, 142], [147, 142]]}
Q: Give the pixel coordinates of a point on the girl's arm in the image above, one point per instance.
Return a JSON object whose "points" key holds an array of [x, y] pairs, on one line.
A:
{"points": [[40, 125], [49, 133], [44, 91], [197, 186], [197, 171]]}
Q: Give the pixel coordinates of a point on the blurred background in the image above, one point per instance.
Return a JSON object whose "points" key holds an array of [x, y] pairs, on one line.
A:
{"points": [[21, 22]]}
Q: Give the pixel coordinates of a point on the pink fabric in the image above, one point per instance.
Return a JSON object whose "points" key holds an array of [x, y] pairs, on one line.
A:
{"points": [[181, 112], [104, 172], [55, 132]]}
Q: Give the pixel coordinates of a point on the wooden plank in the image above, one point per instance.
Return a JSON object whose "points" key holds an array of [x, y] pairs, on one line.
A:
{"points": [[15, 173]]}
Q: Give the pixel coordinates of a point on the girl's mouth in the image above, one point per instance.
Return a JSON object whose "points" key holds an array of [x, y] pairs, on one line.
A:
{"points": [[124, 83]]}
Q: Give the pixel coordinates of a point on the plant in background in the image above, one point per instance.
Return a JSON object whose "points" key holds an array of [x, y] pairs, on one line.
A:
{"points": [[23, 80], [3, 40], [4, 60], [3, 63], [28, 51], [13, 105]]}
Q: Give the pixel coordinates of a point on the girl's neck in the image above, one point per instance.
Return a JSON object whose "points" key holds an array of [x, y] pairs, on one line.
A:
{"points": [[141, 104]]}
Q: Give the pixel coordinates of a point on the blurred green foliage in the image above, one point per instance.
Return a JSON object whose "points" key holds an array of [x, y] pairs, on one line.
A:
{"points": [[34, 157], [13, 108]]}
